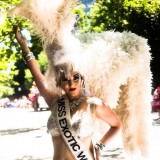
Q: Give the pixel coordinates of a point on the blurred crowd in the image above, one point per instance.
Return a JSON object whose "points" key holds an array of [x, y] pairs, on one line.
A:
{"points": [[30, 101], [22, 102], [34, 100]]}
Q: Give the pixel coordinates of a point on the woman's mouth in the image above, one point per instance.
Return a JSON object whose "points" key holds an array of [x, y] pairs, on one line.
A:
{"points": [[72, 89]]}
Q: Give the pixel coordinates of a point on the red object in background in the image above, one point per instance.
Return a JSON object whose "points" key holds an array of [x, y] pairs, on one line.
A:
{"points": [[33, 96], [158, 90], [156, 100]]}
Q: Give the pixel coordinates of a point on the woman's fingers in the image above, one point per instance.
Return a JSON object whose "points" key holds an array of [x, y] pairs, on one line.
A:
{"points": [[15, 28], [17, 33], [21, 39]]}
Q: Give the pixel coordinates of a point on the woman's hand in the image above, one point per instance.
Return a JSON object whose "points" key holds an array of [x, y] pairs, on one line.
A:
{"points": [[100, 149], [97, 154], [21, 40]]}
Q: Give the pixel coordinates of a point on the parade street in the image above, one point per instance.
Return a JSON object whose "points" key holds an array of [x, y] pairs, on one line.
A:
{"points": [[24, 136]]}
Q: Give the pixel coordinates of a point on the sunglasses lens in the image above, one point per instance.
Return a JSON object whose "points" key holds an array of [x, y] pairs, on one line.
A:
{"points": [[64, 79], [76, 77]]}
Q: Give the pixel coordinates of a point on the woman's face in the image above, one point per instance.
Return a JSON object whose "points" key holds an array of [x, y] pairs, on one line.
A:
{"points": [[72, 85]]}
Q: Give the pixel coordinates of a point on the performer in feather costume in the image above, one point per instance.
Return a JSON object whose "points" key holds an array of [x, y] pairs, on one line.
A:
{"points": [[116, 66]]}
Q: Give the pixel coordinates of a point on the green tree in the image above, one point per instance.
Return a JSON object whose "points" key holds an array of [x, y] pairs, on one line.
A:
{"points": [[110, 14], [14, 78], [138, 16]]}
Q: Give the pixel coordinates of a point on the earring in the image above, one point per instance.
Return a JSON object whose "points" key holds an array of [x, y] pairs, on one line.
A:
{"points": [[83, 85]]}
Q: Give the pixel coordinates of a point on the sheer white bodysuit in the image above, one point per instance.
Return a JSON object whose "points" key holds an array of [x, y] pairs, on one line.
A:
{"points": [[82, 122]]}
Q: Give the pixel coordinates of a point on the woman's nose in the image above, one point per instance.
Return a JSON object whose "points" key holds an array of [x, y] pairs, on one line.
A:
{"points": [[70, 82]]}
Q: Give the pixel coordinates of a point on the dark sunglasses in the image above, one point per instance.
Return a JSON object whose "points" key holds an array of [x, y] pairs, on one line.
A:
{"points": [[75, 78]]}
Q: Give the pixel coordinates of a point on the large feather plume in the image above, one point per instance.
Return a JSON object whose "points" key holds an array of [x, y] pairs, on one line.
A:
{"points": [[116, 65]]}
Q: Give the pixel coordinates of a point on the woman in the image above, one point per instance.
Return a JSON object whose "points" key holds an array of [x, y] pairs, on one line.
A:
{"points": [[156, 102], [72, 112]]}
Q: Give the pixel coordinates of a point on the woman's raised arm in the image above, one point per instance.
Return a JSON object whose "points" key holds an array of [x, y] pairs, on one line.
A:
{"points": [[33, 67]]}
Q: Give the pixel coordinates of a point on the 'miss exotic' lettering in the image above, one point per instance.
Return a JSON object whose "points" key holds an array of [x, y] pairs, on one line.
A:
{"points": [[66, 132], [61, 107]]}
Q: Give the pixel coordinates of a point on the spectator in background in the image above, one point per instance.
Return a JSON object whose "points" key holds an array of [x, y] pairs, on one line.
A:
{"points": [[33, 96], [24, 102], [156, 102]]}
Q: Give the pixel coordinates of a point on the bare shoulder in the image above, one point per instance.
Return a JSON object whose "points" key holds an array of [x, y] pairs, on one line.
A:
{"points": [[94, 100], [100, 106], [104, 112], [94, 103]]}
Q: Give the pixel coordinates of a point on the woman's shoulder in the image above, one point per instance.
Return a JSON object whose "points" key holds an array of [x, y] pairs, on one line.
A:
{"points": [[94, 101]]}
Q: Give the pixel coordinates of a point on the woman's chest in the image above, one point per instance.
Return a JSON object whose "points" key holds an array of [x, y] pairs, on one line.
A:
{"points": [[82, 124]]}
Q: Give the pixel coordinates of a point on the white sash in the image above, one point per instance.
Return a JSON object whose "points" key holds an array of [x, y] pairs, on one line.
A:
{"points": [[73, 143]]}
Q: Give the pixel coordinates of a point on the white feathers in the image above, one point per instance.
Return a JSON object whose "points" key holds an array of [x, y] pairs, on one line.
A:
{"points": [[49, 18], [94, 100], [116, 65]]}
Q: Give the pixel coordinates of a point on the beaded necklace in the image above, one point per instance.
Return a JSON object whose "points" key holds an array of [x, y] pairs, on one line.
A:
{"points": [[75, 103]]}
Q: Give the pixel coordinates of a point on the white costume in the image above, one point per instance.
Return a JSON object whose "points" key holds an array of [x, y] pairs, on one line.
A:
{"points": [[116, 65]]}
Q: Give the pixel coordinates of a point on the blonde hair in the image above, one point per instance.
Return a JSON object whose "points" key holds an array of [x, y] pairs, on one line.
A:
{"points": [[54, 73], [63, 70]]}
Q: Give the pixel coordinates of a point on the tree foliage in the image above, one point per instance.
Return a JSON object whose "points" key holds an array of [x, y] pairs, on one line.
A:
{"points": [[116, 15], [7, 54], [138, 16], [12, 68]]}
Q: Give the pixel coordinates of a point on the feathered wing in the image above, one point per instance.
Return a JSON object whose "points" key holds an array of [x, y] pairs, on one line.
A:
{"points": [[116, 65], [117, 70]]}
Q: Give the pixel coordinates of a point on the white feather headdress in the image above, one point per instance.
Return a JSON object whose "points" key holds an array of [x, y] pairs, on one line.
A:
{"points": [[116, 65]]}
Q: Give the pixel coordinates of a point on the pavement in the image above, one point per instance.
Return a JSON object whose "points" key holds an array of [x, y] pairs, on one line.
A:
{"points": [[24, 136]]}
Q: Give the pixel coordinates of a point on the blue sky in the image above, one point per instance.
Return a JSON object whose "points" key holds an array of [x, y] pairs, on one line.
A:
{"points": [[86, 3]]}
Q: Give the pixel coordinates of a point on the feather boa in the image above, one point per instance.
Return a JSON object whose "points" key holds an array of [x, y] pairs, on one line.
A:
{"points": [[116, 65]]}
